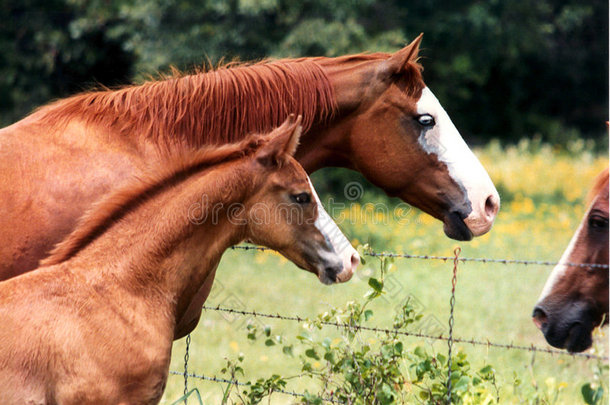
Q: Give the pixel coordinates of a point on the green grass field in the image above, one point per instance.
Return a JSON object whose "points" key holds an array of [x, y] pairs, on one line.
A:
{"points": [[543, 194]]}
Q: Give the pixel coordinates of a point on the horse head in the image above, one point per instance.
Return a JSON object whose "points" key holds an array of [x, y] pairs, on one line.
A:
{"points": [[402, 140], [575, 298]]}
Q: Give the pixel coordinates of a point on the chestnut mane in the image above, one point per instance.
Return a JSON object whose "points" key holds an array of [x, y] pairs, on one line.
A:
{"points": [[216, 106], [119, 203], [213, 107]]}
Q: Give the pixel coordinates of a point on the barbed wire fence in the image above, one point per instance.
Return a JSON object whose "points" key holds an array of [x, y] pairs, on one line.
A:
{"points": [[449, 338]]}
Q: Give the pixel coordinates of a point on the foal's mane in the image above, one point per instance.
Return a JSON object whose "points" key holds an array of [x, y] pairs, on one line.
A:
{"points": [[116, 205], [207, 107]]}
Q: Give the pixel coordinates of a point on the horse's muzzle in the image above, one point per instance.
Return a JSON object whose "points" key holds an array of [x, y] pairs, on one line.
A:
{"points": [[568, 327], [455, 228]]}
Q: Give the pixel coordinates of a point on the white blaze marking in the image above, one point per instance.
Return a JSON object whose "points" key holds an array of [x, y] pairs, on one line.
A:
{"points": [[444, 140], [561, 268], [327, 227]]}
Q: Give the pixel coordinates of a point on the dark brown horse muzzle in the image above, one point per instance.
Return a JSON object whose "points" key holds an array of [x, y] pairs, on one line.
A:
{"points": [[567, 326]]}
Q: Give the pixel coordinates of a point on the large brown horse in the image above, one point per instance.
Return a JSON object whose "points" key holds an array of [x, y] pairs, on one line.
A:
{"points": [[371, 113], [575, 299], [96, 324]]}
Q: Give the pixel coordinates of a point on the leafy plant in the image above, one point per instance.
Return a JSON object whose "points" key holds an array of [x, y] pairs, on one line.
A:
{"points": [[379, 368]]}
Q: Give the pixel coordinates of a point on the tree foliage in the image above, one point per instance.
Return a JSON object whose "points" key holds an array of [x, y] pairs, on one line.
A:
{"points": [[501, 68]]}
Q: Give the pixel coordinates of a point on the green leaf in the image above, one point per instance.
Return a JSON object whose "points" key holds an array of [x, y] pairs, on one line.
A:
{"points": [[591, 395], [269, 342], [312, 353], [305, 336], [287, 350], [398, 347], [376, 284], [420, 352], [462, 384], [368, 314], [486, 370]]}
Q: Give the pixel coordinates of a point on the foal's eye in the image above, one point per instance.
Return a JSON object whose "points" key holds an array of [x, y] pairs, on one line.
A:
{"points": [[426, 120], [598, 222], [301, 198]]}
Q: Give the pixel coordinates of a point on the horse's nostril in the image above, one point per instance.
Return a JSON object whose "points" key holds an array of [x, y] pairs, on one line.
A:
{"points": [[539, 317], [332, 272], [492, 205], [355, 261]]}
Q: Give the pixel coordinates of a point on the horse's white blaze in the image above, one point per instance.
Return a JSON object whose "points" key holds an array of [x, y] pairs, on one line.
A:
{"points": [[561, 268], [340, 244], [444, 140]]}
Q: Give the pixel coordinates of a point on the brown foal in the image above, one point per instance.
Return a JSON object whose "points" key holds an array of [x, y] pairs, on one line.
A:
{"points": [[95, 324]]}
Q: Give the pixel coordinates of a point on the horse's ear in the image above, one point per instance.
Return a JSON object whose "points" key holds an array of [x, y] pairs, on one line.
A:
{"points": [[397, 62], [283, 142]]}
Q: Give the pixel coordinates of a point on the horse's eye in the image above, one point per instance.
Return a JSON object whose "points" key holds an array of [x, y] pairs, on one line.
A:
{"points": [[598, 222], [426, 120], [301, 198]]}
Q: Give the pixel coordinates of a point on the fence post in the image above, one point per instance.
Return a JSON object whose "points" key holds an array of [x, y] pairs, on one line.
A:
{"points": [[456, 259], [186, 365]]}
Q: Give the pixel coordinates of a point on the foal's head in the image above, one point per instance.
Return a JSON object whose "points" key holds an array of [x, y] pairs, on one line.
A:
{"points": [[285, 213], [575, 299]]}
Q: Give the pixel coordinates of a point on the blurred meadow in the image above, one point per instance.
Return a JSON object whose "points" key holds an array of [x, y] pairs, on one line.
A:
{"points": [[543, 191]]}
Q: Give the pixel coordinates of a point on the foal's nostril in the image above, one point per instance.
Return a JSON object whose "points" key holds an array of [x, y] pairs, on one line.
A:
{"points": [[539, 317], [492, 205]]}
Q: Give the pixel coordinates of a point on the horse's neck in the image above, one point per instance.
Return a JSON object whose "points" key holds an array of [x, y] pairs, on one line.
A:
{"points": [[327, 144], [159, 252]]}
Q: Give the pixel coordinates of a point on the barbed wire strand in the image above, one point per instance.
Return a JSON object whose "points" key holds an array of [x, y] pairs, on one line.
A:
{"points": [[456, 252], [474, 342], [243, 384], [448, 258]]}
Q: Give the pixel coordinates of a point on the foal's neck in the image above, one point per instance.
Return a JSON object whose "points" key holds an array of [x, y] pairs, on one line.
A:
{"points": [[164, 250]]}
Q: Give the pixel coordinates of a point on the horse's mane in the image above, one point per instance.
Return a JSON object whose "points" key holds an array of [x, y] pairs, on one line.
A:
{"points": [[207, 107], [116, 205], [214, 106], [600, 182]]}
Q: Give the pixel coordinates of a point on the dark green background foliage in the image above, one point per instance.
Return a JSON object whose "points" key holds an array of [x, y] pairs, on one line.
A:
{"points": [[503, 69]]}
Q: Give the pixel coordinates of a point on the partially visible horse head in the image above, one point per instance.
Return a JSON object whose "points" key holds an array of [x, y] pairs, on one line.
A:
{"points": [[575, 299], [287, 214], [403, 141]]}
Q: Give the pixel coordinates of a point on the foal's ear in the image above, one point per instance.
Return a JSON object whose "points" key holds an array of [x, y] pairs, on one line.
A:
{"points": [[397, 62], [283, 142]]}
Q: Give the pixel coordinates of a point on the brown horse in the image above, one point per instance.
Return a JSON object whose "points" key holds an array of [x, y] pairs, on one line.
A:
{"points": [[96, 324], [370, 112], [575, 299]]}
